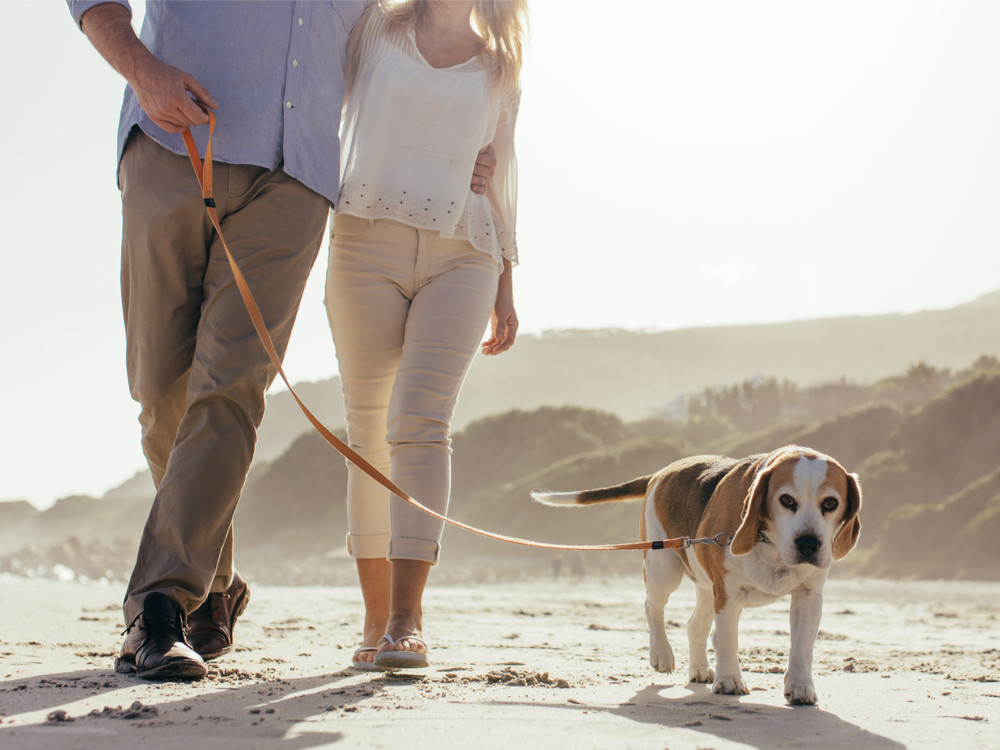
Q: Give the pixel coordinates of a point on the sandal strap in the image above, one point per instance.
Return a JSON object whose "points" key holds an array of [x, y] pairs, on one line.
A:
{"points": [[388, 640]]}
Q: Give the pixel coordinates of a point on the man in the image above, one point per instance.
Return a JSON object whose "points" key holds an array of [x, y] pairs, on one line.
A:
{"points": [[273, 73]]}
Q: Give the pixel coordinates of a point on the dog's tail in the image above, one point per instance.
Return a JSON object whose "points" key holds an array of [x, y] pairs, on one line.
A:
{"points": [[632, 490]]}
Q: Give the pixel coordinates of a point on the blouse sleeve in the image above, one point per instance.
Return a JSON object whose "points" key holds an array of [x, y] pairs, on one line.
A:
{"points": [[502, 188], [357, 43]]}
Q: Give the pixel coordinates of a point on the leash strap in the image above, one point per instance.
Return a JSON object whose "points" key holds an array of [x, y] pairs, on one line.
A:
{"points": [[203, 171]]}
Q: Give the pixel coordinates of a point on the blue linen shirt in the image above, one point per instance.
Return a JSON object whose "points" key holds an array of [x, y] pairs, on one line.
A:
{"points": [[275, 67]]}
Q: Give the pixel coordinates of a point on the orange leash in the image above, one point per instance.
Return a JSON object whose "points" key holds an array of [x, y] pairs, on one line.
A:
{"points": [[203, 171]]}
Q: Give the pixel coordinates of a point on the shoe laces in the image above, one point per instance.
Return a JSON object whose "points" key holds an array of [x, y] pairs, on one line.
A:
{"points": [[128, 628], [177, 622]]}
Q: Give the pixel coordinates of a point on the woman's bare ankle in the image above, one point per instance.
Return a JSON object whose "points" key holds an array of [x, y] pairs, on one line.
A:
{"points": [[374, 628]]}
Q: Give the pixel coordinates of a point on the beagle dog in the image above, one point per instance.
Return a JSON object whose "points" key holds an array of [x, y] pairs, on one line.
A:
{"points": [[778, 520]]}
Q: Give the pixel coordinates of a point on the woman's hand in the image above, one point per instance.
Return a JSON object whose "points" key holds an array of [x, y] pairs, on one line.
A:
{"points": [[503, 321], [504, 325], [486, 163]]}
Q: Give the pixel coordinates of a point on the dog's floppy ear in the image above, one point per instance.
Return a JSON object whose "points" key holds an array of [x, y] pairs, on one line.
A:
{"points": [[746, 534], [850, 530]]}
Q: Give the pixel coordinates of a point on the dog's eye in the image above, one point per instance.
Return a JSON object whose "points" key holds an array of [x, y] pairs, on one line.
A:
{"points": [[788, 501], [829, 504]]}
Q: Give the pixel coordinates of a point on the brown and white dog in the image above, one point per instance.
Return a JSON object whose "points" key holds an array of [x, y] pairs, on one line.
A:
{"points": [[789, 514]]}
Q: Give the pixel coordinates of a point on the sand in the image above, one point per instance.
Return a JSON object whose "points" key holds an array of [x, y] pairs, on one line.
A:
{"points": [[557, 663]]}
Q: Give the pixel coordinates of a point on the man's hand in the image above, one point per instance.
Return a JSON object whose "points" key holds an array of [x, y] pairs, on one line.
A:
{"points": [[164, 92], [481, 173]]}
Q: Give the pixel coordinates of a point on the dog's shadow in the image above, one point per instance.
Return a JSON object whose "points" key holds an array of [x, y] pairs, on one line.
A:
{"points": [[696, 708]]}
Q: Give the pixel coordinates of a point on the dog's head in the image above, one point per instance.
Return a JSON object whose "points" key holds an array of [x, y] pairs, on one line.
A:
{"points": [[807, 504]]}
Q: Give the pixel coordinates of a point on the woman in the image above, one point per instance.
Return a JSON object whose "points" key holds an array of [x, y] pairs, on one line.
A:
{"points": [[418, 264]]}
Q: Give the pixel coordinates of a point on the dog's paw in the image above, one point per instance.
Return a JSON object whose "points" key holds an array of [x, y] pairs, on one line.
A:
{"points": [[731, 685], [802, 694], [662, 658], [703, 675]]}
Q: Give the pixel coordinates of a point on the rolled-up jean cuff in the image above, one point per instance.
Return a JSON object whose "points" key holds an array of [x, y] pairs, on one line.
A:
{"points": [[414, 549], [367, 546]]}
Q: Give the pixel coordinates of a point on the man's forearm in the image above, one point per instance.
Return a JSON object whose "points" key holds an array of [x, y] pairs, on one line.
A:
{"points": [[109, 28]]}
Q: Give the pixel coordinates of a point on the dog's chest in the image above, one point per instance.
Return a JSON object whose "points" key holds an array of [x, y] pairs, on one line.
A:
{"points": [[761, 581]]}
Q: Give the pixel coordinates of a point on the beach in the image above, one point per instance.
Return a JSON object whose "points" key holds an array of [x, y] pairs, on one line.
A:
{"points": [[559, 662]]}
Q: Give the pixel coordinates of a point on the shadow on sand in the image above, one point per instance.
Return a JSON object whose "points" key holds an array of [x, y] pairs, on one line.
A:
{"points": [[738, 719], [215, 715]]}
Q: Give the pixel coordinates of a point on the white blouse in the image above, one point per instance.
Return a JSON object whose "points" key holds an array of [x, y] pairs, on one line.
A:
{"points": [[411, 135]]}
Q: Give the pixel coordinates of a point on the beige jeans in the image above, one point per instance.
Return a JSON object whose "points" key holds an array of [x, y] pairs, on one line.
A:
{"points": [[194, 362], [407, 309]]}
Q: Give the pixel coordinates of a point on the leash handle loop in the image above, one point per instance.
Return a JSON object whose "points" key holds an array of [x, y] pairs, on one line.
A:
{"points": [[203, 171]]}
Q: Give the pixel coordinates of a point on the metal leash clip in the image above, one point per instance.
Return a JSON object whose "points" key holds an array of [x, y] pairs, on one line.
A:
{"points": [[723, 539]]}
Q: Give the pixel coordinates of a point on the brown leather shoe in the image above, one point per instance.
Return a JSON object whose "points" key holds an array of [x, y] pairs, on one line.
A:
{"points": [[210, 627], [155, 648]]}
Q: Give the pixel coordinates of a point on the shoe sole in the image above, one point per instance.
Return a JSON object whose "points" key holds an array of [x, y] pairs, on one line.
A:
{"points": [[241, 606], [401, 660], [181, 670]]}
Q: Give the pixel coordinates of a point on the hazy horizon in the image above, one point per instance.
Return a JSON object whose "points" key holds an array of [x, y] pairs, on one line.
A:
{"points": [[681, 165]]}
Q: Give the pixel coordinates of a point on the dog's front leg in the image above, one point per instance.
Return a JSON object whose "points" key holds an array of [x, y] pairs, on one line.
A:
{"points": [[699, 626], [728, 676], [806, 608]]}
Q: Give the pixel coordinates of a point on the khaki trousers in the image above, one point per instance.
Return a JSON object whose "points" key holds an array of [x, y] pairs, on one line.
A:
{"points": [[194, 361], [407, 310]]}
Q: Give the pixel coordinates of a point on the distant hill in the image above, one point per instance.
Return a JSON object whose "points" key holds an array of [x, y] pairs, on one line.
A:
{"points": [[637, 374], [910, 402]]}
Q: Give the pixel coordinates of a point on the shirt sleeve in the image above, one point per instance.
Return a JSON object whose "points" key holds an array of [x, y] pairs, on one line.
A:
{"points": [[78, 7], [502, 188]]}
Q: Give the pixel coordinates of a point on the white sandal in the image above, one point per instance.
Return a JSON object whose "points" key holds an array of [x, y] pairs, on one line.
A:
{"points": [[400, 659]]}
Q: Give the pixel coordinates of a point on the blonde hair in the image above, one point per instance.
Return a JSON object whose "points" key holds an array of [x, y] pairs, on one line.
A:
{"points": [[502, 25]]}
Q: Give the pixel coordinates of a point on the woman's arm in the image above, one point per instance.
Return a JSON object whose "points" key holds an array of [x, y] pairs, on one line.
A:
{"points": [[502, 192]]}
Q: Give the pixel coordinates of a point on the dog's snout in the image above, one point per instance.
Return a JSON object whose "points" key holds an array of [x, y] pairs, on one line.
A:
{"points": [[808, 545]]}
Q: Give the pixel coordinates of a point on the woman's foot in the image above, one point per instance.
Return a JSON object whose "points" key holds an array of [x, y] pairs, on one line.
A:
{"points": [[399, 583], [405, 652], [402, 646], [374, 575], [364, 655]]}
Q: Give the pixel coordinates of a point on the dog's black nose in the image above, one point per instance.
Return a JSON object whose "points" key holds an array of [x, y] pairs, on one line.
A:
{"points": [[808, 545]]}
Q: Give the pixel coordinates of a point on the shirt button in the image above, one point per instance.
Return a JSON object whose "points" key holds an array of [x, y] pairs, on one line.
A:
{"points": [[300, 22], [295, 63], [288, 105]]}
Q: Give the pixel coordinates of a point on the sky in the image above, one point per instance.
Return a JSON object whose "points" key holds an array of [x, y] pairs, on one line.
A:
{"points": [[683, 163]]}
